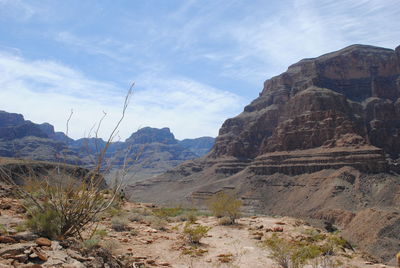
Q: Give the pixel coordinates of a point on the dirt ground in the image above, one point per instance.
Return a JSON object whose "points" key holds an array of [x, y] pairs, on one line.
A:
{"points": [[150, 241]]}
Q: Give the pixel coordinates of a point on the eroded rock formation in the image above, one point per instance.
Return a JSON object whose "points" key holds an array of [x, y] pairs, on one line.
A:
{"points": [[323, 136]]}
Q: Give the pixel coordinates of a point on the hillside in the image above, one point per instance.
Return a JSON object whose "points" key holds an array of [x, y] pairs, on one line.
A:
{"points": [[321, 141]]}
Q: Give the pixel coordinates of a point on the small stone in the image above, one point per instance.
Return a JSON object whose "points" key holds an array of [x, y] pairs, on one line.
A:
{"points": [[5, 206], [7, 239], [41, 241], [21, 258], [165, 264], [38, 254], [33, 266], [151, 262]]}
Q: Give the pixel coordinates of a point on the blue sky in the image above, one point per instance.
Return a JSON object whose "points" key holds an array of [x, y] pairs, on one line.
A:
{"points": [[195, 62]]}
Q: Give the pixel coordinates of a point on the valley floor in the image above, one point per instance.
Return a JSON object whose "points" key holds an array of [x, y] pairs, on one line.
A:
{"points": [[150, 241]]}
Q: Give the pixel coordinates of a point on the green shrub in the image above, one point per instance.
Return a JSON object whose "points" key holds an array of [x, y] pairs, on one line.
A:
{"points": [[195, 232], [47, 222], [225, 205]]}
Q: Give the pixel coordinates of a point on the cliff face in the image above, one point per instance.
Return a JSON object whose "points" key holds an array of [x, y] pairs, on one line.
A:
{"points": [[345, 100], [322, 140], [349, 97]]}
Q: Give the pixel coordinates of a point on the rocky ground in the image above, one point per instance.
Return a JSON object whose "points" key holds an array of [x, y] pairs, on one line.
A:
{"points": [[140, 235]]}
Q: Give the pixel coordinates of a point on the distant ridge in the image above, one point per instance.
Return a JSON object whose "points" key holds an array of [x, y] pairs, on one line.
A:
{"points": [[153, 150]]}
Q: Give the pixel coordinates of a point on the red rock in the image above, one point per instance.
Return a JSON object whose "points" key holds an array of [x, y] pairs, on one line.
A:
{"points": [[7, 239], [42, 241], [151, 262]]}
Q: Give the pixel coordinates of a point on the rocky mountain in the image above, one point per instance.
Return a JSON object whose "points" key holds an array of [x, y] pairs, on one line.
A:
{"points": [[147, 152], [321, 141]]}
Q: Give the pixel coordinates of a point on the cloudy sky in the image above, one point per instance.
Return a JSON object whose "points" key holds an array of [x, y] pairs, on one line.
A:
{"points": [[195, 62]]}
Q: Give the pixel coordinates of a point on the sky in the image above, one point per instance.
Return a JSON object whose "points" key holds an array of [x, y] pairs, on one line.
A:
{"points": [[195, 63]]}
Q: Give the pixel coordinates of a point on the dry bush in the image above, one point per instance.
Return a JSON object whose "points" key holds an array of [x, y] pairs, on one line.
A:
{"points": [[119, 223], [61, 205], [225, 205]]}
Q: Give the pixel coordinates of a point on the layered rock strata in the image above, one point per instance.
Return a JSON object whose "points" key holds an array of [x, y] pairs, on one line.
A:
{"points": [[324, 135]]}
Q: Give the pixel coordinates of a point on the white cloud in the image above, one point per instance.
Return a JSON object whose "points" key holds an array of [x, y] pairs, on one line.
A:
{"points": [[264, 44], [103, 46], [45, 91]]}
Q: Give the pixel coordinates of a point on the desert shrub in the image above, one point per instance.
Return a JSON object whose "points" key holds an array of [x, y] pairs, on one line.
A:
{"points": [[47, 222], [110, 245], [91, 243], [191, 217], [225, 205], [132, 216], [313, 250], [119, 224], [157, 223], [167, 212], [62, 204], [195, 232], [225, 221], [313, 235]]}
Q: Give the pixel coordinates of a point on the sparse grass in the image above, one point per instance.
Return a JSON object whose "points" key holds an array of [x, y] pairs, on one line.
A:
{"points": [[115, 211], [101, 233], [194, 251], [91, 243], [167, 212], [3, 229], [21, 227], [159, 224], [110, 245], [119, 223]]}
